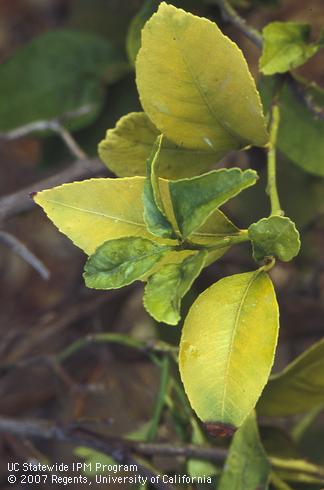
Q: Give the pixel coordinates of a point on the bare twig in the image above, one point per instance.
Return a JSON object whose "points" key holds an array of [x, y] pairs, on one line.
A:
{"points": [[55, 125], [120, 450], [19, 202], [20, 249], [229, 14]]}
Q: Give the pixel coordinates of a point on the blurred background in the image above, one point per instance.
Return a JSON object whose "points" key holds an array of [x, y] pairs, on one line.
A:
{"points": [[40, 319]]}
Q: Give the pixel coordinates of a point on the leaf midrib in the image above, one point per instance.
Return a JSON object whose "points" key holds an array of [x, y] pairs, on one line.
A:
{"points": [[236, 322], [103, 215]]}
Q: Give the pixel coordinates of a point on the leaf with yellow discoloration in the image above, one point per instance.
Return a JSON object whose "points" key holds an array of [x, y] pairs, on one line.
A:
{"points": [[195, 104], [227, 349]]}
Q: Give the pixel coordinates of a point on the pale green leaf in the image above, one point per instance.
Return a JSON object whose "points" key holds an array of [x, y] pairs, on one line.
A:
{"points": [[117, 263], [274, 236], [230, 329], [247, 466], [57, 72], [127, 147], [199, 105], [298, 470], [133, 39], [195, 199], [298, 388], [300, 135], [285, 46], [154, 214], [166, 288]]}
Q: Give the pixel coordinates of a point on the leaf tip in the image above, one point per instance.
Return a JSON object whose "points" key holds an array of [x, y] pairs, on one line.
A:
{"points": [[219, 429], [33, 194]]}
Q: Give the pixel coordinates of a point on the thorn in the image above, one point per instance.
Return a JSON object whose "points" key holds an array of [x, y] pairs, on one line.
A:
{"points": [[33, 194]]}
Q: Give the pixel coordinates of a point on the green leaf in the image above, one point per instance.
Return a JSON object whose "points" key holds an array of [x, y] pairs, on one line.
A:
{"points": [[300, 135], [231, 328], [127, 147], [117, 263], [154, 213], [55, 73], [212, 105], [166, 288], [298, 388], [195, 199], [274, 236], [286, 46], [133, 39], [247, 466]]}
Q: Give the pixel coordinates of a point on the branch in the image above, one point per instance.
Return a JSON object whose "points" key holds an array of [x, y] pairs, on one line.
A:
{"points": [[55, 125], [20, 249], [19, 202], [119, 449], [229, 14], [116, 447]]}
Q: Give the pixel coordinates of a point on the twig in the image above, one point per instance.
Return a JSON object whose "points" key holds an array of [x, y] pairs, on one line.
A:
{"points": [[229, 14], [19, 202], [20, 249], [272, 170], [119, 449], [55, 125]]}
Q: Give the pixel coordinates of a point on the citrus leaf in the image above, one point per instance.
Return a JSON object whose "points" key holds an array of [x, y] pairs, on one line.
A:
{"points": [[166, 288], [246, 466], [57, 72], [133, 39], [117, 263], [154, 214], [231, 328], [113, 208], [300, 135], [277, 236], [126, 148], [285, 46], [212, 105], [196, 198], [110, 208], [298, 388]]}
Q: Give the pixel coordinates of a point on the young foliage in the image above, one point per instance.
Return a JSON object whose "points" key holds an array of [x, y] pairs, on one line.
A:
{"points": [[154, 213], [274, 236], [286, 46], [166, 288], [127, 147], [45, 78], [230, 329], [298, 388], [211, 105], [195, 199], [117, 263], [247, 466]]}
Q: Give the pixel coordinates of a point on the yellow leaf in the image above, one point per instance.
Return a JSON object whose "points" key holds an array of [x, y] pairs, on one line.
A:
{"points": [[96, 210], [227, 349], [195, 86], [126, 148]]}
